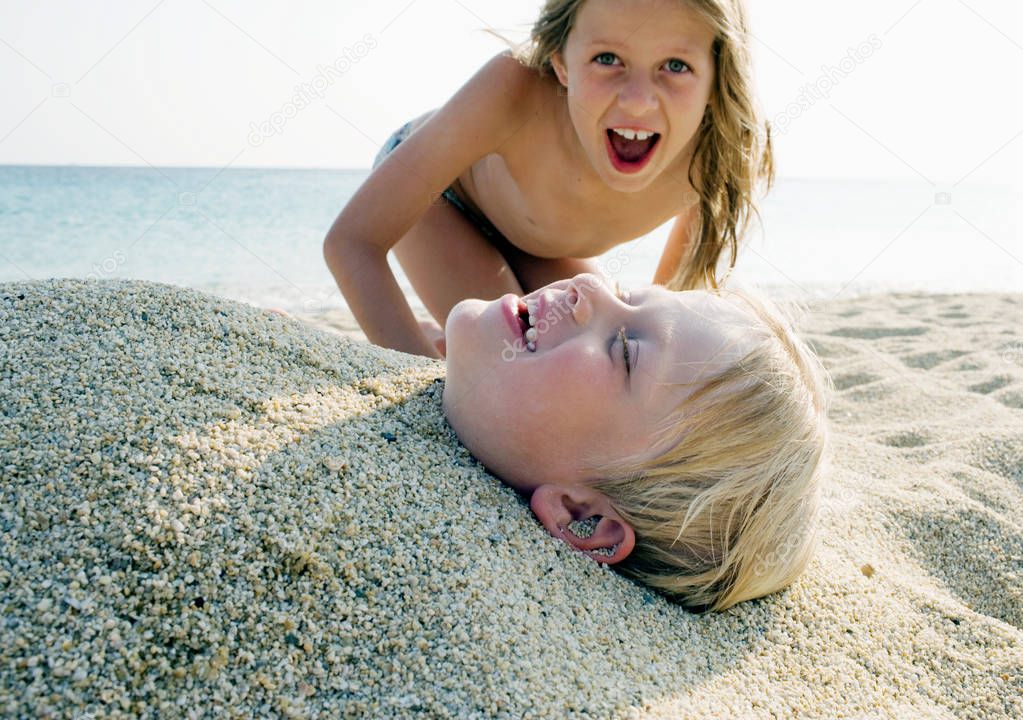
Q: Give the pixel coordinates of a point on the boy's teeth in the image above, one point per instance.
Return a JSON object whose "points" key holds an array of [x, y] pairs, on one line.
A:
{"points": [[633, 134]]}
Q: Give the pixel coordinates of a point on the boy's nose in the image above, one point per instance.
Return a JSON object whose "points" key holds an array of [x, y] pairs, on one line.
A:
{"points": [[581, 294], [579, 305]]}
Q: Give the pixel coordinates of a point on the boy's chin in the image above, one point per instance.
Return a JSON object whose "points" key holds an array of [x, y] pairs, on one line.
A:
{"points": [[451, 336]]}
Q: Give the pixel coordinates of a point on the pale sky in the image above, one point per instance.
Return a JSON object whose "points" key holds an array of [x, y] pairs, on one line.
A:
{"points": [[921, 89]]}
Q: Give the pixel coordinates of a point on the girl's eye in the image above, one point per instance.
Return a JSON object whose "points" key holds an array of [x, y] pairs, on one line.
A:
{"points": [[603, 54], [678, 66]]}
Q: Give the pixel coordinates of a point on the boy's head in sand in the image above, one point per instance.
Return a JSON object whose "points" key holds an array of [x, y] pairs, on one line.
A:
{"points": [[697, 442], [683, 70]]}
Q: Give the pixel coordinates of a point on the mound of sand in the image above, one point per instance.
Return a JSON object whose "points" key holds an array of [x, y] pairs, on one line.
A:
{"points": [[210, 511]]}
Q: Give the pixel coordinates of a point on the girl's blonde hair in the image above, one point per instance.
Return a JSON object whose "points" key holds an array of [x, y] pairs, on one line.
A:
{"points": [[729, 512], [732, 153]]}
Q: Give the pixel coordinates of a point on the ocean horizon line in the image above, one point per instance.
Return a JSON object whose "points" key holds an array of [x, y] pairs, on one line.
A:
{"points": [[908, 179]]}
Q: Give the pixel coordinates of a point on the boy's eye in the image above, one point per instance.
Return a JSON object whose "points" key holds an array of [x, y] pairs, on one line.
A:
{"points": [[678, 66], [625, 352], [625, 296]]}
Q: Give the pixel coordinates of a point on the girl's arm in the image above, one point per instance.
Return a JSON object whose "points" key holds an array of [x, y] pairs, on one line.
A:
{"points": [[482, 115], [677, 246]]}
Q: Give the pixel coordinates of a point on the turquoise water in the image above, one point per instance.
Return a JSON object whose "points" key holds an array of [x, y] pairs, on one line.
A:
{"points": [[255, 235]]}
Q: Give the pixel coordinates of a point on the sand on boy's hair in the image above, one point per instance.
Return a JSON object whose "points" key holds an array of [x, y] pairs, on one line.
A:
{"points": [[205, 506]]}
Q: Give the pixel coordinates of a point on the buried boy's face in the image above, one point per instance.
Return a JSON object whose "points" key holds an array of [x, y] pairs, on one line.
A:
{"points": [[549, 416]]}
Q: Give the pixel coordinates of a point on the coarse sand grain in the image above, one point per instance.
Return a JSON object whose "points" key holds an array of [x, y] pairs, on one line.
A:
{"points": [[212, 511]]}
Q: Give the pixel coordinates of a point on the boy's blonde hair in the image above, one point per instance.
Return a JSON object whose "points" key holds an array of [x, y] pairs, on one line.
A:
{"points": [[732, 153], [729, 512]]}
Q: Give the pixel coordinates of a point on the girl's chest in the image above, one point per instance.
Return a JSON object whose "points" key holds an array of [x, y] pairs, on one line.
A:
{"points": [[546, 204]]}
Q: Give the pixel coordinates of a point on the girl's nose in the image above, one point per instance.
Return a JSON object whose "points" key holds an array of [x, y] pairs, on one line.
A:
{"points": [[637, 96]]}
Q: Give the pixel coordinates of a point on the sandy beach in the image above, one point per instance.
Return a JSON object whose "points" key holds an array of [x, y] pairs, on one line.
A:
{"points": [[208, 510]]}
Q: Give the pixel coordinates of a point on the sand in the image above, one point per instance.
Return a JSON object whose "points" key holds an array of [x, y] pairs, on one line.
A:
{"points": [[211, 511]]}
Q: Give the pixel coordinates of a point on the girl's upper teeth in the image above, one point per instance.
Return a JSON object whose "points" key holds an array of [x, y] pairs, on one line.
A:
{"points": [[633, 134]]}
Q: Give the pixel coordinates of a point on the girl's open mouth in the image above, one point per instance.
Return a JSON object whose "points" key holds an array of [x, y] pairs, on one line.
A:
{"points": [[630, 156]]}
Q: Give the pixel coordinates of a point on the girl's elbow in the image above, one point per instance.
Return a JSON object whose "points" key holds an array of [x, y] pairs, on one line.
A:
{"points": [[330, 242], [338, 243], [331, 247], [337, 253]]}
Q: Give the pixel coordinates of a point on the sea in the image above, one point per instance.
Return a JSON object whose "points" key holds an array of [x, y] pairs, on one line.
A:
{"points": [[255, 235]]}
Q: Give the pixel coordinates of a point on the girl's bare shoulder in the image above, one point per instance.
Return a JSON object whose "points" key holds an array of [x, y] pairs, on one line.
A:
{"points": [[522, 88], [489, 108], [527, 102]]}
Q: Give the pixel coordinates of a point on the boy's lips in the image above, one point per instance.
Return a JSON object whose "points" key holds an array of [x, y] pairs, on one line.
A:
{"points": [[510, 310], [539, 300]]}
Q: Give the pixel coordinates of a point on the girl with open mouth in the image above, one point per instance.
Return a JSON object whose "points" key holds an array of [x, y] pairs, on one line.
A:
{"points": [[616, 117]]}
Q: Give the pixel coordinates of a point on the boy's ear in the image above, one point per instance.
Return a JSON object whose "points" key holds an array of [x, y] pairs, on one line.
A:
{"points": [[556, 506]]}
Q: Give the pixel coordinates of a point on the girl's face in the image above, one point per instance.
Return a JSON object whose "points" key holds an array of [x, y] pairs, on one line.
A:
{"points": [[549, 415], [639, 64]]}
